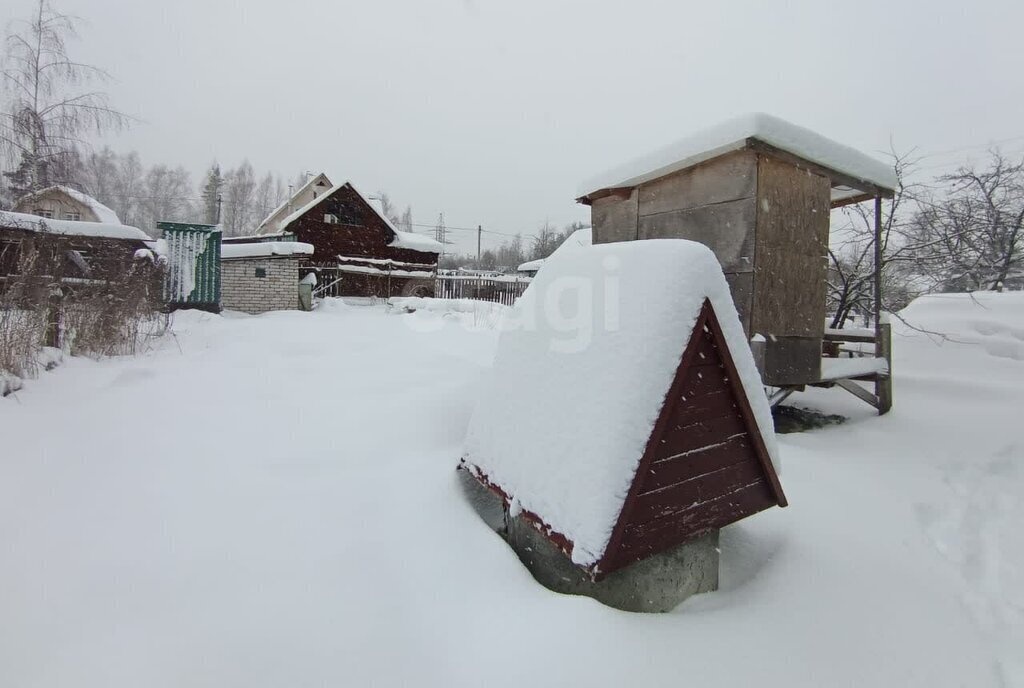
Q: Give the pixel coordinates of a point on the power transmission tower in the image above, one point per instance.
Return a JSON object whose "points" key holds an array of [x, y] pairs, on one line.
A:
{"points": [[440, 231]]}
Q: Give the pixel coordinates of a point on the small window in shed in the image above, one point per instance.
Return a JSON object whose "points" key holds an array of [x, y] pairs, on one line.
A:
{"points": [[261, 272], [330, 218], [74, 216], [43, 213]]}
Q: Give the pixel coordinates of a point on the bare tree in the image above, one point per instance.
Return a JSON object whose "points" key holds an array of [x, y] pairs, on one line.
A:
{"points": [[545, 241], [510, 254], [49, 107], [99, 174], [167, 197], [129, 188], [270, 194], [240, 209], [974, 237], [851, 255]]}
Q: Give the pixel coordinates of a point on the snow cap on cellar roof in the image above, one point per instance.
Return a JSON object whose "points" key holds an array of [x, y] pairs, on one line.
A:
{"points": [[581, 378]]}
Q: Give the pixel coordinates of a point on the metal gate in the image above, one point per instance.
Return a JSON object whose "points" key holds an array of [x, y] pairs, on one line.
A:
{"points": [[192, 279]]}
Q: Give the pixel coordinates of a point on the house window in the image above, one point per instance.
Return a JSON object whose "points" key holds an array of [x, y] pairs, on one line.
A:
{"points": [[261, 272], [330, 218], [74, 216], [344, 213], [43, 213]]}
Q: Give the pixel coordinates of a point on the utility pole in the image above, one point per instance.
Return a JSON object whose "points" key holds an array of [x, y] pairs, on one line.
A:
{"points": [[220, 200], [479, 231]]}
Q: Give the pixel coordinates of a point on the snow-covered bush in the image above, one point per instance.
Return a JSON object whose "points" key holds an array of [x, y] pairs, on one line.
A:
{"points": [[93, 300]]}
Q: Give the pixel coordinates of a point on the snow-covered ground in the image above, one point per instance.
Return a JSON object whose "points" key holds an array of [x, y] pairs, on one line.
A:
{"points": [[272, 501]]}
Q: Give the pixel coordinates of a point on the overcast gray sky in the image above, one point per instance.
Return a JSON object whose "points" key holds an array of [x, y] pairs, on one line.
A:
{"points": [[493, 112]]}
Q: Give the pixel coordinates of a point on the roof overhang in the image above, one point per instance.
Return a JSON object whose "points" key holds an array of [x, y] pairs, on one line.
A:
{"points": [[853, 176], [846, 189]]}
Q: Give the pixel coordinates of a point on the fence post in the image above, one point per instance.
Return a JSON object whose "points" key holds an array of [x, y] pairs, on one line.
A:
{"points": [[883, 349]]}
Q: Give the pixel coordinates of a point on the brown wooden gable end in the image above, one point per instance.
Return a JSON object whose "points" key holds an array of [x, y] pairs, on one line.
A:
{"points": [[355, 230], [705, 465]]}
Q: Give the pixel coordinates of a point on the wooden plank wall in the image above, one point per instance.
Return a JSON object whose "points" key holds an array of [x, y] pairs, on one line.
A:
{"points": [[792, 239], [715, 204], [704, 472], [614, 219]]}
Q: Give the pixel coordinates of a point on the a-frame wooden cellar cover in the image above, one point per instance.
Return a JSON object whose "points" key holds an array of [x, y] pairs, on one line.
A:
{"points": [[652, 433]]}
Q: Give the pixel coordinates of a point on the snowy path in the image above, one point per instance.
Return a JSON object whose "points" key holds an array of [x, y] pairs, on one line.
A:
{"points": [[271, 501]]}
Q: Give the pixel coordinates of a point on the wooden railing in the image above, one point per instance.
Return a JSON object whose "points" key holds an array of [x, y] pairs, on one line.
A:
{"points": [[504, 290], [497, 289]]}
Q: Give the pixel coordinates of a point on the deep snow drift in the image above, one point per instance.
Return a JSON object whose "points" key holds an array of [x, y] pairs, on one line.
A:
{"points": [[271, 501]]}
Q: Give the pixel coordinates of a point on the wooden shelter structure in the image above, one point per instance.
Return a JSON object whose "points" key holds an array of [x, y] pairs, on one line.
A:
{"points": [[758, 191], [74, 252], [670, 436]]}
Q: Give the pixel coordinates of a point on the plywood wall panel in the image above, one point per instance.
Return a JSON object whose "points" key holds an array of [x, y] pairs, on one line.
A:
{"points": [[725, 228], [728, 178], [614, 219]]}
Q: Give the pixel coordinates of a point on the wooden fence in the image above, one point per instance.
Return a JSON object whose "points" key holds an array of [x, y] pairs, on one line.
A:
{"points": [[334, 282], [504, 290]]}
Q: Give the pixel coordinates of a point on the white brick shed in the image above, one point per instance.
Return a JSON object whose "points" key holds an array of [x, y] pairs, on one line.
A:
{"points": [[261, 277]]}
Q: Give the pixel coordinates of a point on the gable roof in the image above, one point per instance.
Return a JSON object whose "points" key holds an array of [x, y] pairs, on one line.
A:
{"points": [[853, 173], [103, 214], [409, 240], [590, 388], [298, 193]]}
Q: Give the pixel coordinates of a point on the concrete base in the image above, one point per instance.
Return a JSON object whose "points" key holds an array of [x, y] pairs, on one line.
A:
{"points": [[487, 505], [656, 584]]}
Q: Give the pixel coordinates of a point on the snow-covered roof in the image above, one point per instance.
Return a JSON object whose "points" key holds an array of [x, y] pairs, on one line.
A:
{"points": [[249, 238], [265, 249], [734, 135], [35, 223], [298, 194], [416, 242], [531, 265], [581, 238], [588, 379], [103, 214]]}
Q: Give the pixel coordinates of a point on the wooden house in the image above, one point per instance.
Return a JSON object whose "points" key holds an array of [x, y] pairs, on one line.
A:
{"points": [[653, 432], [43, 260], [317, 185], [73, 250], [757, 191], [358, 251], [65, 203]]}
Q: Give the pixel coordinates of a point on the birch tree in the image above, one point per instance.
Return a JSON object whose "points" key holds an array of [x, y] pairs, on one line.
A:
{"points": [[50, 102]]}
